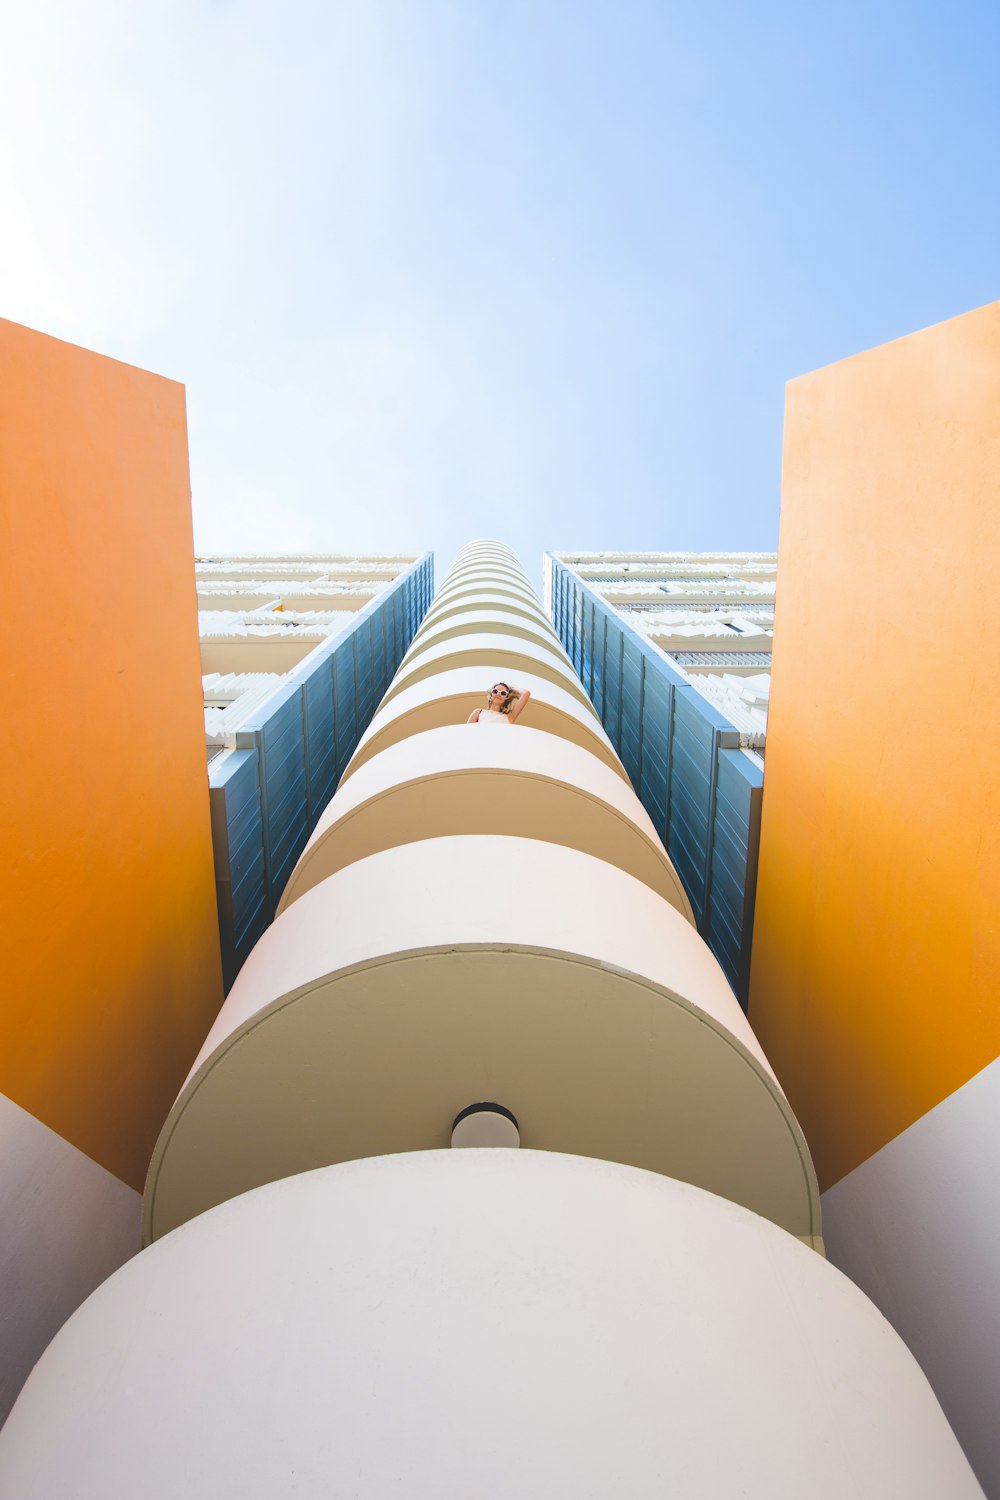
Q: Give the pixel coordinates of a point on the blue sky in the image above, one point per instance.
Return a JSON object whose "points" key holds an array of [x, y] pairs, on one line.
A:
{"points": [[534, 270]]}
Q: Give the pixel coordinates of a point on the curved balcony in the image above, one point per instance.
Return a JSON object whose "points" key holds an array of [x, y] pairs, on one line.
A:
{"points": [[450, 697], [491, 621], [488, 546], [501, 656], [432, 975], [463, 779], [485, 568], [442, 609], [491, 1323], [487, 556], [483, 576], [485, 560], [474, 590]]}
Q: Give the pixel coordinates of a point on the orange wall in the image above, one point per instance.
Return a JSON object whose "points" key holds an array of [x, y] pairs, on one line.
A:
{"points": [[876, 962], [112, 971]]}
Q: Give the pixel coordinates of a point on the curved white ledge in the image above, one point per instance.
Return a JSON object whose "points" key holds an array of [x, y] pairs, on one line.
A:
{"points": [[485, 561], [450, 697], [489, 1323], [484, 568], [503, 656], [485, 622], [426, 977], [483, 577], [486, 545], [483, 580], [462, 589], [462, 779], [502, 603], [486, 555], [471, 594]]}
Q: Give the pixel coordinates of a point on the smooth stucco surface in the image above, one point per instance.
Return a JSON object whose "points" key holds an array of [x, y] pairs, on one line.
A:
{"points": [[477, 587], [493, 1323], [876, 940], [65, 1224], [514, 970], [498, 655], [492, 621], [463, 779], [450, 697], [917, 1227], [496, 618], [443, 609], [112, 973]]}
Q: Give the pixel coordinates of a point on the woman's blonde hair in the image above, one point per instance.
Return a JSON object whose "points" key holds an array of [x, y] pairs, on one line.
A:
{"points": [[508, 702]]}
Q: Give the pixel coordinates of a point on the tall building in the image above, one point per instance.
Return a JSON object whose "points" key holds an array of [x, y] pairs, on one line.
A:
{"points": [[481, 1183], [674, 649], [295, 654]]}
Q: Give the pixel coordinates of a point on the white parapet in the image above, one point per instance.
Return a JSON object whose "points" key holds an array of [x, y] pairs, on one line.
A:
{"points": [[473, 586], [496, 655], [490, 620], [459, 779], [482, 1323], [424, 978], [449, 698], [443, 609]]}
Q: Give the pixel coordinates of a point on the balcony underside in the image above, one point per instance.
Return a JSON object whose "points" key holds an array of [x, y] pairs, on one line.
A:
{"points": [[429, 976]]}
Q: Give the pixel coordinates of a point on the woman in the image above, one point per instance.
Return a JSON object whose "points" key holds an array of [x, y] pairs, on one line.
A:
{"points": [[502, 706]]}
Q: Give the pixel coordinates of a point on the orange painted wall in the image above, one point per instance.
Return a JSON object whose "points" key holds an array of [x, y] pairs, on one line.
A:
{"points": [[875, 982], [111, 969]]}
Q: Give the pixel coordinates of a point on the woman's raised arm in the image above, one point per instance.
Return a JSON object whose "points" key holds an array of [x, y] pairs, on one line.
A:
{"points": [[516, 707]]}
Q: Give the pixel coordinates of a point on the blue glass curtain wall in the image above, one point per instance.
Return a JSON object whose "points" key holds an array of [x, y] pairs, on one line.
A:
{"points": [[701, 790], [267, 795]]}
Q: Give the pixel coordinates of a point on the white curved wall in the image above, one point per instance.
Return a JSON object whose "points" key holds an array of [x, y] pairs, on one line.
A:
{"points": [[492, 584], [475, 622], [428, 976], [442, 609], [450, 697], [486, 555], [486, 567], [486, 621], [485, 563], [502, 656], [462, 779], [488, 1323]]}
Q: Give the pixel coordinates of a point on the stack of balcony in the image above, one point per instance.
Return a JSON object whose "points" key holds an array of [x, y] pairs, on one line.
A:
{"points": [[617, 1288]]}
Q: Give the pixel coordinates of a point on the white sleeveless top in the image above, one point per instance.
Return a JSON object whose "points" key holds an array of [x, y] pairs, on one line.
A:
{"points": [[487, 716]]}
